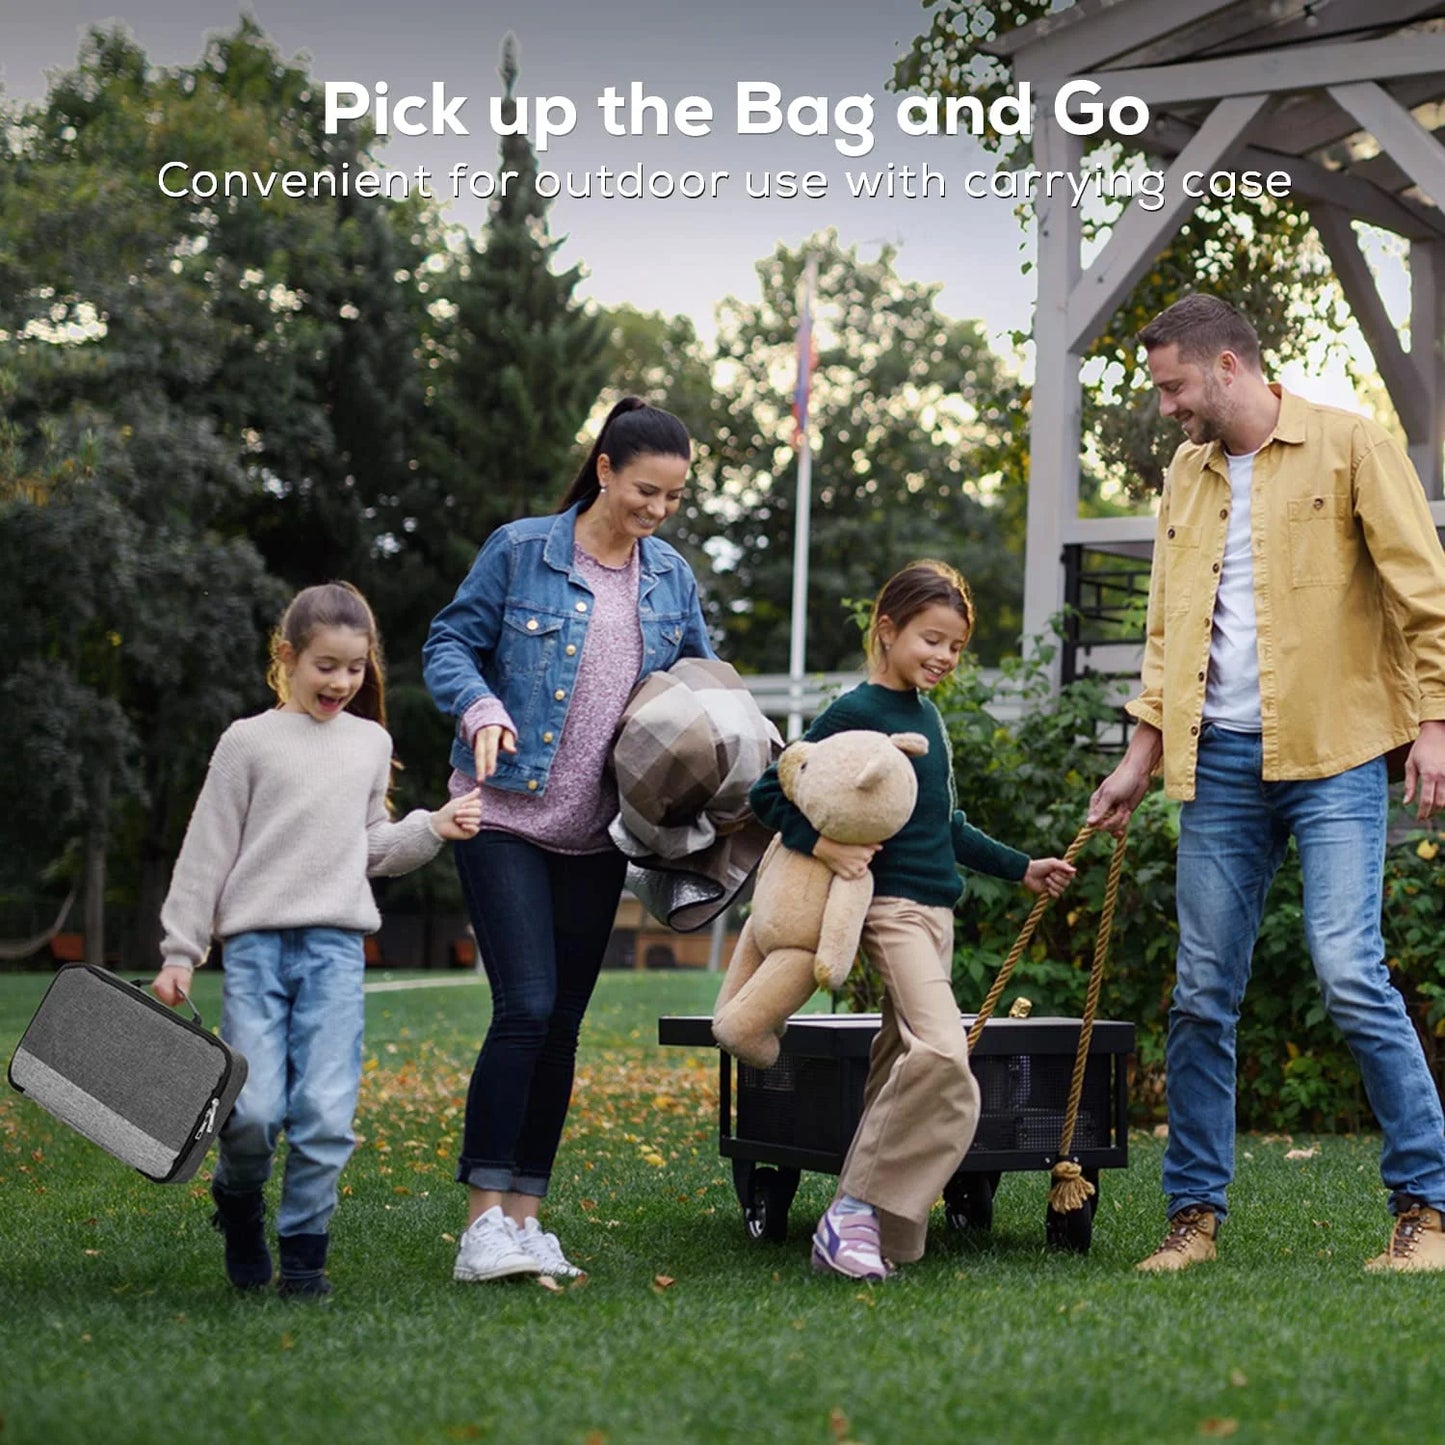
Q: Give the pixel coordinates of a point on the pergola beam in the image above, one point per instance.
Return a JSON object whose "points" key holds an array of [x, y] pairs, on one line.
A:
{"points": [[1406, 141], [1386, 173], [1307, 123], [1314, 182], [1069, 42], [1314, 23], [1139, 235], [1398, 370], [1303, 67]]}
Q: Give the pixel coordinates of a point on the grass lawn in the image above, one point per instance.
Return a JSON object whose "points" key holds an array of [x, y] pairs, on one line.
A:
{"points": [[116, 1323]]}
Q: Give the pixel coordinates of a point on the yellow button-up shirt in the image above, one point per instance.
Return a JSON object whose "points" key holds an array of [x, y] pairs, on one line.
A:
{"points": [[1349, 597]]}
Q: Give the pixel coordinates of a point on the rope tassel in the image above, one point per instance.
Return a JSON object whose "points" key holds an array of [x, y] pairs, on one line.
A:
{"points": [[1069, 1191]]}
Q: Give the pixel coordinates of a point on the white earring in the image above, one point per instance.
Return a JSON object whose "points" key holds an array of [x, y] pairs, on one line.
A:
{"points": [[600, 487]]}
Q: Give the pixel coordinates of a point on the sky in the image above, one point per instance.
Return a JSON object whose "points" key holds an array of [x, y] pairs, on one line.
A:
{"points": [[674, 255]]}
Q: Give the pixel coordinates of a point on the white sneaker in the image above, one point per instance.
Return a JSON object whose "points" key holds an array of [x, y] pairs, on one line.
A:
{"points": [[543, 1248], [488, 1250]]}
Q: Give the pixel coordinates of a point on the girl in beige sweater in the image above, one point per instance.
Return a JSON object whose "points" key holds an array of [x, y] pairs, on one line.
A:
{"points": [[290, 823]]}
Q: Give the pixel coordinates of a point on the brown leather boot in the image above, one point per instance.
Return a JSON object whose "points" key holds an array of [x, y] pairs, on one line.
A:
{"points": [[1190, 1241], [1416, 1243]]}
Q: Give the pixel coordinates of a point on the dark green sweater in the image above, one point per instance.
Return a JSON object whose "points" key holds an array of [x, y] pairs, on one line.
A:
{"points": [[918, 862]]}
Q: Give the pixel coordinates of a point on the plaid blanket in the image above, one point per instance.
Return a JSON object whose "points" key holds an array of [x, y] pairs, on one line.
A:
{"points": [[690, 744]]}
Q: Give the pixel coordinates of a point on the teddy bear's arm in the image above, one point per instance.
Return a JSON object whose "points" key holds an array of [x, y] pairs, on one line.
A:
{"points": [[843, 914]]}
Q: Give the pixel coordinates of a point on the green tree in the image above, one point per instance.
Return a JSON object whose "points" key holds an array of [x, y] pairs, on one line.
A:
{"points": [[912, 424], [660, 359], [181, 373]]}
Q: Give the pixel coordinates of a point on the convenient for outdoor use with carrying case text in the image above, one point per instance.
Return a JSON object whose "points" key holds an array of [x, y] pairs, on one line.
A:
{"points": [[116, 1065]]}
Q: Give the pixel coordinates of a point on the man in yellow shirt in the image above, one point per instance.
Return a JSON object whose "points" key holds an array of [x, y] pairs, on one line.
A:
{"points": [[1296, 635]]}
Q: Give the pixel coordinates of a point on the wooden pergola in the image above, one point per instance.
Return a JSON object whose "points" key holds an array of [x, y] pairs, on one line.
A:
{"points": [[1345, 96]]}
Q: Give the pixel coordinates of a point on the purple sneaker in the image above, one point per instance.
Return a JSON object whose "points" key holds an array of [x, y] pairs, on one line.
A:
{"points": [[847, 1244]]}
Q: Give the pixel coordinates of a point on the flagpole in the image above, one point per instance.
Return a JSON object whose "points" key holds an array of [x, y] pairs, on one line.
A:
{"points": [[798, 630]]}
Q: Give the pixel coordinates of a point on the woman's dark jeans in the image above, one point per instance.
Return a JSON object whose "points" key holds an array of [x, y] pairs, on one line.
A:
{"points": [[542, 920]]}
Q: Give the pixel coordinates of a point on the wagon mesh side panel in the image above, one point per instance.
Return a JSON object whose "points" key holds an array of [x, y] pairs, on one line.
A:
{"points": [[815, 1103], [801, 1102], [1025, 1096]]}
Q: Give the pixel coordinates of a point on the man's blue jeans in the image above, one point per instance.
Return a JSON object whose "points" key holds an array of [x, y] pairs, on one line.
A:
{"points": [[292, 1003], [1232, 838]]}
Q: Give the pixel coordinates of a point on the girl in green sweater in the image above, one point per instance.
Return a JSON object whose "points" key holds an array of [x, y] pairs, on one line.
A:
{"points": [[921, 1103]]}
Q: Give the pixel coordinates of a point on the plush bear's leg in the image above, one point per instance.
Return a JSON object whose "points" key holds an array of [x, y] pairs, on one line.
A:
{"points": [[741, 966], [754, 1019]]}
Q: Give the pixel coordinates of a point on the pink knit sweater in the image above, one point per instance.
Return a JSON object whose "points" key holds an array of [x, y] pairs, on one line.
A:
{"points": [[571, 814]]}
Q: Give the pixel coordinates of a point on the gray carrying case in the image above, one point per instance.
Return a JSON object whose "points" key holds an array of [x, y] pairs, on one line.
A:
{"points": [[116, 1065]]}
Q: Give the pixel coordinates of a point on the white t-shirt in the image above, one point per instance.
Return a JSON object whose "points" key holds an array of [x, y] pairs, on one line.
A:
{"points": [[1231, 694]]}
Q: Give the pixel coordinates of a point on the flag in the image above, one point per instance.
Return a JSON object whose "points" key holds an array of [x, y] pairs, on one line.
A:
{"points": [[807, 357]]}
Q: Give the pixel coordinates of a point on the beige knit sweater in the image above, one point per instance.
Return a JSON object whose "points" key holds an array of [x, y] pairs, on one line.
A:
{"points": [[291, 821]]}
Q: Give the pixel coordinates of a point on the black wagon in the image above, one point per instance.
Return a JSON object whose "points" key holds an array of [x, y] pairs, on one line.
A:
{"points": [[802, 1112]]}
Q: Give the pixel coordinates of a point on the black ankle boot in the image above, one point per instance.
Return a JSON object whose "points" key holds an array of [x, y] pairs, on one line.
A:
{"points": [[303, 1265], [241, 1217]]}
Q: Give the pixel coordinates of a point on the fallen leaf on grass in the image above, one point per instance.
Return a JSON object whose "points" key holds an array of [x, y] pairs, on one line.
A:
{"points": [[287, 1342], [1238, 1379], [1218, 1427], [91, 1253], [664, 1281], [1302, 1153], [1161, 1131]]}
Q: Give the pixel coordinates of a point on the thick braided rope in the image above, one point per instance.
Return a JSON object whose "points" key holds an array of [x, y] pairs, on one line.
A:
{"points": [[1026, 933], [1069, 1190], [1091, 1000]]}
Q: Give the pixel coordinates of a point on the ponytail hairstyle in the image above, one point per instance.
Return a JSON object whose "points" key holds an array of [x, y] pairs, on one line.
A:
{"points": [[331, 604], [633, 428], [907, 593]]}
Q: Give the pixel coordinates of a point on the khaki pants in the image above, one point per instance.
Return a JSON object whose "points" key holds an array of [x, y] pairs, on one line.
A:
{"points": [[920, 1103]]}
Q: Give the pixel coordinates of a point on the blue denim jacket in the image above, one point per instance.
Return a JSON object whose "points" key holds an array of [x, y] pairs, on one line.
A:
{"points": [[515, 629]]}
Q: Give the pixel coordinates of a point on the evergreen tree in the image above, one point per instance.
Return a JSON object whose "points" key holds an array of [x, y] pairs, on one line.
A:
{"points": [[522, 360]]}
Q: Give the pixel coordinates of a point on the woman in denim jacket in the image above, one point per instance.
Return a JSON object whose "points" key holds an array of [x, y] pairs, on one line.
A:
{"points": [[535, 657]]}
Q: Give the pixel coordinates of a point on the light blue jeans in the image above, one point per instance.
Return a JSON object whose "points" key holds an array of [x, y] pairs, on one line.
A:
{"points": [[291, 1002], [1232, 838]]}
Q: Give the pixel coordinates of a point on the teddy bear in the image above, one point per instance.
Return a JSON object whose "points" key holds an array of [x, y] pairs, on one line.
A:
{"points": [[853, 787]]}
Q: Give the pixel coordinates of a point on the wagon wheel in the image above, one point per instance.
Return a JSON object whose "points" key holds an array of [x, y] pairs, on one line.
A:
{"points": [[968, 1200], [766, 1195]]}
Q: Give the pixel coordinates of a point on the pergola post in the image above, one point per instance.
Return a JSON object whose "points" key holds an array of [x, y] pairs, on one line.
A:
{"points": [[1055, 419], [1427, 352]]}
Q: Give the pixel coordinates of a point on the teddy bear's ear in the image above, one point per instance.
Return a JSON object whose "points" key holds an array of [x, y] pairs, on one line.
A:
{"points": [[913, 744]]}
